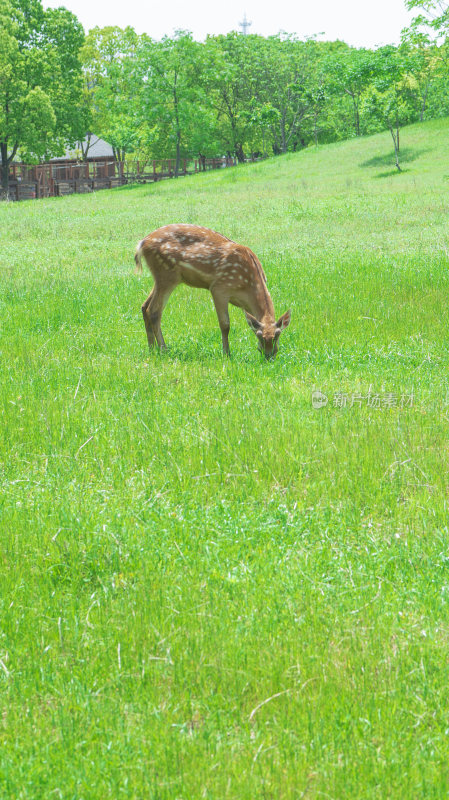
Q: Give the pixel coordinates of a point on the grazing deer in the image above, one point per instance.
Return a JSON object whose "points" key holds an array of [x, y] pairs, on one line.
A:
{"points": [[204, 259]]}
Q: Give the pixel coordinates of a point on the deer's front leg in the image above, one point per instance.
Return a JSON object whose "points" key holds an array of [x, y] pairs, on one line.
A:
{"points": [[221, 307]]}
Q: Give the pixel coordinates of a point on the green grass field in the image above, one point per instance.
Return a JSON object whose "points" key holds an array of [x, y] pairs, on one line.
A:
{"points": [[209, 588]]}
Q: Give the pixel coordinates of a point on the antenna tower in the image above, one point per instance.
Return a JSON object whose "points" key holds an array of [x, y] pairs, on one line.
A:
{"points": [[245, 24]]}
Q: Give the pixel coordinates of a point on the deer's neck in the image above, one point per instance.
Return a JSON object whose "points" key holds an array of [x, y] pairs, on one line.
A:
{"points": [[260, 304]]}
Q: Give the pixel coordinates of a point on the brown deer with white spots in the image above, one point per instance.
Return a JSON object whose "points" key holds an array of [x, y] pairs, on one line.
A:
{"points": [[204, 259]]}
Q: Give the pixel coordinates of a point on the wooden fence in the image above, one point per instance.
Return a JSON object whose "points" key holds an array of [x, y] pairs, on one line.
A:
{"points": [[156, 170], [54, 178], [58, 178]]}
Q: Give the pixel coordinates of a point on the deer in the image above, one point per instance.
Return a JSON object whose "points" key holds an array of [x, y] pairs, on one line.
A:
{"points": [[205, 259]]}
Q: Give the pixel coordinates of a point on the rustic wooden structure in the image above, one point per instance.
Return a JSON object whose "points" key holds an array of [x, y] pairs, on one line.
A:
{"points": [[68, 176], [54, 179]]}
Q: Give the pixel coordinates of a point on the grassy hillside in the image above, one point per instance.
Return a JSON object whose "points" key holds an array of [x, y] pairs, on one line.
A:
{"points": [[209, 588]]}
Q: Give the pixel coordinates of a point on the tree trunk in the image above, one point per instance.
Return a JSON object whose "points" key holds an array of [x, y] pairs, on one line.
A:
{"points": [[178, 153], [119, 153], [395, 137], [4, 191], [85, 151], [355, 103], [283, 137], [275, 144], [357, 118], [423, 104], [239, 153], [178, 130]]}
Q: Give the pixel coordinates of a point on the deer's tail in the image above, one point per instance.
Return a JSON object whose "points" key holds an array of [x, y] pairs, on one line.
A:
{"points": [[138, 257]]}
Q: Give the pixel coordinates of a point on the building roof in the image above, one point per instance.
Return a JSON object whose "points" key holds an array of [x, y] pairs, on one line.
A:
{"points": [[98, 148]]}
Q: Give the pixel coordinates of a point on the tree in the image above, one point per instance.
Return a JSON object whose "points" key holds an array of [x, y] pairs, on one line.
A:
{"points": [[391, 96], [172, 102], [231, 78], [111, 86], [427, 66], [431, 58], [350, 72], [284, 80], [432, 19], [40, 81]]}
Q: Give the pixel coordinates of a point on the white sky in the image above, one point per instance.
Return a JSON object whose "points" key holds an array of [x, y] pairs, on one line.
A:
{"points": [[357, 22]]}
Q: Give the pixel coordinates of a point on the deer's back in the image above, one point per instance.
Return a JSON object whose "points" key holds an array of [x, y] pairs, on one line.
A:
{"points": [[202, 257]]}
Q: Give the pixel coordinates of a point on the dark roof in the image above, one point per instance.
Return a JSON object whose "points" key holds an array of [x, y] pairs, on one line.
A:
{"points": [[98, 148]]}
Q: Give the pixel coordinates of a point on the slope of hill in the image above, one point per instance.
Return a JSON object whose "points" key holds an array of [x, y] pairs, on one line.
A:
{"points": [[211, 588]]}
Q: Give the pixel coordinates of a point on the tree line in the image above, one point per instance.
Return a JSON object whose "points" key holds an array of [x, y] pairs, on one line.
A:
{"points": [[231, 94]]}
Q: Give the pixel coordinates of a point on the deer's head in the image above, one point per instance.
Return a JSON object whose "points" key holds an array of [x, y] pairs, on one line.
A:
{"points": [[268, 333]]}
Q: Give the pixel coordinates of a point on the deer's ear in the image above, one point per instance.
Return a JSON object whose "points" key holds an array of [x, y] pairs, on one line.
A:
{"points": [[253, 323], [284, 321]]}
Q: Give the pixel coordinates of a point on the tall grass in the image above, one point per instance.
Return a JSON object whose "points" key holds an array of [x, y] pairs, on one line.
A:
{"points": [[209, 588]]}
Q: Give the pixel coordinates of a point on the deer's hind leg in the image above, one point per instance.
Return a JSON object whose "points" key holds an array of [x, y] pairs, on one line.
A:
{"points": [[164, 284], [146, 318]]}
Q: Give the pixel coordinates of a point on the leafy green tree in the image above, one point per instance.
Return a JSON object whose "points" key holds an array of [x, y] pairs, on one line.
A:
{"points": [[227, 81], [427, 66], [257, 87], [317, 102], [430, 56], [432, 19], [111, 85], [391, 96], [350, 73], [40, 81], [172, 102], [283, 79], [437, 94]]}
